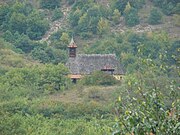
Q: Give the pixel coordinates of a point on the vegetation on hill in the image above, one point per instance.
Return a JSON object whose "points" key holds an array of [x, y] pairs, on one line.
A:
{"points": [[99, 78], [37, 97], [169, 7]]}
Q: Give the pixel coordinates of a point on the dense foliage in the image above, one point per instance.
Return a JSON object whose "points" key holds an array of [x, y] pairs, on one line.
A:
{"points": [[99, 78], [24, 19], [155, 17], [48, 77], [121, 5], [23, 24], [168, 6], [86, 17], [153, 103], [57, 14], [50, 4], [144, 104], [37, 97], [156, 46], [131, 17]]}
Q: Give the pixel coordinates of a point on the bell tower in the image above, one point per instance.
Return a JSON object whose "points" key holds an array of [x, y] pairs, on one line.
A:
{"points": [[72, 48]]}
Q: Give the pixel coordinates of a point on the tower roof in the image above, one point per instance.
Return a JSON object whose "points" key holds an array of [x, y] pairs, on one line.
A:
{"points": [[72, 44]]}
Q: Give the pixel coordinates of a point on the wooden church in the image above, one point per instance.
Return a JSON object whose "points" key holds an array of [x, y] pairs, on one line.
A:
{"points": [[85, 64]]}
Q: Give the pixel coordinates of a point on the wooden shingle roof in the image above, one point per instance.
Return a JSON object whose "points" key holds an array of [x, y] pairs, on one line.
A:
{"points": [[84, 64]]}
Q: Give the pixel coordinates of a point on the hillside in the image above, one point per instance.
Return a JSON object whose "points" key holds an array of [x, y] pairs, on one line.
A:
{"points": [[168, 25], [37, 95], [10, 58], [59, 27]]}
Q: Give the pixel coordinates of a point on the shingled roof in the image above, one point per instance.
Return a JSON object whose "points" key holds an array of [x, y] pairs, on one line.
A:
{"points": [[84, 64]]}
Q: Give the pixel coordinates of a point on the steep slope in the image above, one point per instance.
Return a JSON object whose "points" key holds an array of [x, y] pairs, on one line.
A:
{"points": [[166, 25], [56, 25], [10, 59]]}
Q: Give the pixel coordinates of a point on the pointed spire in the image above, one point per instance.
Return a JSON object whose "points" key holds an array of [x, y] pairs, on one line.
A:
{"points": [[72, 43], [72, 40], [72, 48]]}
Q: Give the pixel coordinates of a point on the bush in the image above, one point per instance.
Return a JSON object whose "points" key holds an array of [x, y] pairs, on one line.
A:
{"points": [[50, 4], [155, 17], [49, 55], [47, 79], [168, 7], [24, 43], [57, 14], [151, 104], [99, 78], [21, 17], [116, 16], [132, 18]]}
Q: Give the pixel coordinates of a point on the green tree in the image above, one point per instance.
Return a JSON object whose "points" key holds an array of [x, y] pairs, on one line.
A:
{"points": [[168, 7], [50, 4], [155, 17], [8, 36], [122, 4], [37, 26], [99, 78], [132, 18], [64, 38], [49, 55], [116, 16], [103, 26], [119, 4], [4, 10], [151, 108], [24, 43], [173, 50], [127, 8], [40, 54], [21, 17], [57, 14], [18, 23], [74, 17], [83, 23]]}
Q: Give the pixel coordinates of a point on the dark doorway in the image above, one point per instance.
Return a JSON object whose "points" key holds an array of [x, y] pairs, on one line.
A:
{"points": [[74, 80]]}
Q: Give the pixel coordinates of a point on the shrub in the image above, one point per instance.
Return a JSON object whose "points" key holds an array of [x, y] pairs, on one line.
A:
{"points": [[50, 4], [57, 14], [49, 55], [132, 18], [151, 103], [99, 78], [24, 43], [168, 7], [155, 17], [116, 16], [48, 78], [21, 17]]}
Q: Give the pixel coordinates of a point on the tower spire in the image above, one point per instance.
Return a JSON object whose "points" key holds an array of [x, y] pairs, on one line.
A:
{"points": [[72, 48], [72, 44]]}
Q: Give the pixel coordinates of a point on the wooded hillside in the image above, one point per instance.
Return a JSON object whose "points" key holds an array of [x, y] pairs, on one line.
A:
{"points": [[36, 95]]}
